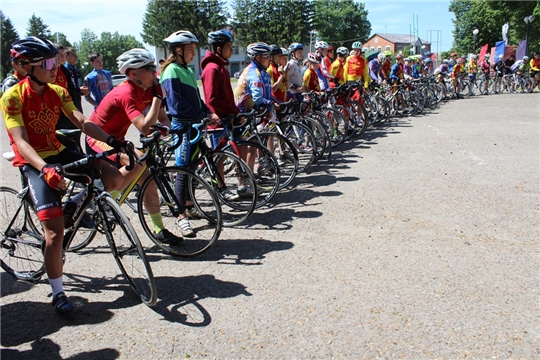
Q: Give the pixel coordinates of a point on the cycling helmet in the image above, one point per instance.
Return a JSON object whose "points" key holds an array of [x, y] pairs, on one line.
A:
{"points": [[181, 37], [428, 61], [407, 59], [220, 37], [313, 58], [321, 45], [536, 53], [387, 53], [399, 56], [330, 48], [381, 57], [33, 49], [284, 51], [486, 56], [500, 57], [525, 58], [356, 45], [295, 46], [445, 61], [342, 51], [258, 48], [474, 56], [275, 50], [134, 59], [453, 54]]}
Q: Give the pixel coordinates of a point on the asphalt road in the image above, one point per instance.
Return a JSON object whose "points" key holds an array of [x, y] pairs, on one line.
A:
{"points": [[419, 240]]}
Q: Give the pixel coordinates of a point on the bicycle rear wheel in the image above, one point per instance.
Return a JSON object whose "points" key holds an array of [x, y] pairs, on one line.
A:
{"points": [[286, 154], [236, 207], [207, 226], [21, 247], [128, 251]]}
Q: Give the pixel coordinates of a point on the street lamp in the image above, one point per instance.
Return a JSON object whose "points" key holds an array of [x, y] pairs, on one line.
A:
{"points": [[528, 20], [475, 32]]}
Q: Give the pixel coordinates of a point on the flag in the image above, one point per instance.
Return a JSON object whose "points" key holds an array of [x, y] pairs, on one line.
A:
{"points": [[499, 49], [483, 51], [520, 51]]}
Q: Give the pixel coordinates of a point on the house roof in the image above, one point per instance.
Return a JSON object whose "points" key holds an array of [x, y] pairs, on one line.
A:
{"points": [[400, 38]]}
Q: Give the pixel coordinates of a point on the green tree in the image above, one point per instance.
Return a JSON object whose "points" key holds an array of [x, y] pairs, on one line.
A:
{"points": [[489, 17], [9, 35], [36, 27], [62, 39], [273, 21], [341, 22], [110, 46]]}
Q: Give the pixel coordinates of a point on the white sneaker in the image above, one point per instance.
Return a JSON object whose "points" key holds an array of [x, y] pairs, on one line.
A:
{"points": [[229, 195], [185, 228]]}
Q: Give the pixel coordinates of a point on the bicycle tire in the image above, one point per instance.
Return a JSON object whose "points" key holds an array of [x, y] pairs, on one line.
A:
{"points": [[360, 122], [286, 154], [84, 236], [235, 170], [21, 249], [266, 171], [319, 134], [207, 229], [324, 126], [128, 251], [303, 141]]}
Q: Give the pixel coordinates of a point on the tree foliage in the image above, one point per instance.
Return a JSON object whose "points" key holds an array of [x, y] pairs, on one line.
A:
{"points": [[36, 27], [110, 46], [341, 22], [489, 17], [9, 35], [273, 21], [199, 17]]}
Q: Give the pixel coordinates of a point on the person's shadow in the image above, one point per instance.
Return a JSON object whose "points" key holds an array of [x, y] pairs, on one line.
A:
{"points": [[48, 349]]}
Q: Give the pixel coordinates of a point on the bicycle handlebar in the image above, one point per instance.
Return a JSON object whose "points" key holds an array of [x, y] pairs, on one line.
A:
{"points": [[90, 159]]}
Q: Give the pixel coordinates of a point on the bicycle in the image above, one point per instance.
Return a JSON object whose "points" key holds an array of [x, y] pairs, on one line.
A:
{"points": [[22, 245]]}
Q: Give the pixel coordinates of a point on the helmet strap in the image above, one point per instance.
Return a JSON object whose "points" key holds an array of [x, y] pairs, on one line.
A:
{"points": [[138, 81], [181, 56], [35, 79]]}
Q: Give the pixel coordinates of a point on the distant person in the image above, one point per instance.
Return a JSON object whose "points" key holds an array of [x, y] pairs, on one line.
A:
{"points": [[75, 78], [99, 81], [20, 68]]}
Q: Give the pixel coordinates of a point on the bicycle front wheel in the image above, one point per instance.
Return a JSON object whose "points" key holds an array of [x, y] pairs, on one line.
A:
{"points": [[206, 221], [20, 246], [128, 251]]}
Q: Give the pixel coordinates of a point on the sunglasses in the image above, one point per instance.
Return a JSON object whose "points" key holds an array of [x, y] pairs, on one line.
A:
{"points": [[266, 56], [48, 64], [150, 68]]}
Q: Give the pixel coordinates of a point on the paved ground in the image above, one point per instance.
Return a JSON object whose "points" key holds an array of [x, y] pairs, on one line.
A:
{"points": [[417, 241]]}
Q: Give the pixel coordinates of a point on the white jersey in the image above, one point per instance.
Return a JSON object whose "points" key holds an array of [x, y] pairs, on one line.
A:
{"points": [[295, 75]]}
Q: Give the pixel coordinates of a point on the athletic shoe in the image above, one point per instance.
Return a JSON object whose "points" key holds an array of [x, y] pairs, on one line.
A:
{"points": [[185, 228], [61, 303], [281, 160], [193, 214], [9, 156], [167, 237], [86, 221], [229, 195], [245, 190]]}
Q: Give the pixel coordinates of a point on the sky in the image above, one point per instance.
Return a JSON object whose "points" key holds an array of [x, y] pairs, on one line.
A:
{"points": [[125, 16]]}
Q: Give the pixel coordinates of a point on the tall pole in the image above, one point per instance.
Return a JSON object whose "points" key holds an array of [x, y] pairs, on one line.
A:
{"points": [[527, 39]]}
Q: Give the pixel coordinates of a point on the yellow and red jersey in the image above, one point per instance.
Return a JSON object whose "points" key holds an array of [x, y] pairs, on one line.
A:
{"points": [[337, 70], [311, 80], [356, 68], [22, 107], [535, 64], [61, 78], [385, 69], [281, 92]]}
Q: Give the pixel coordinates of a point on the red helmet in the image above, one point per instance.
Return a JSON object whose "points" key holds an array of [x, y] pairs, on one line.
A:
{"points": [[453, 54], [330, 48]]}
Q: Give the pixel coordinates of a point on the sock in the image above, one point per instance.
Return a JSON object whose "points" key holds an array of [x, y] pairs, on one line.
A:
{"points": [[115, 194], [157, 222], [56, 285]]}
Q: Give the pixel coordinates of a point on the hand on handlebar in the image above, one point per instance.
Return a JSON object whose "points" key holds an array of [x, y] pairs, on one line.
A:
{"points": [[52, 174], [119, 145]]}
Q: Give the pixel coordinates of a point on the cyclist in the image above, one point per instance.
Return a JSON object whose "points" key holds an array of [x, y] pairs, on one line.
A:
{"points": [[375, 67], [216, 83], [472, 69], [457, 72], [99, 81], [325, 75], [278, 77], [185, 107], [485, 66], [338, 65], [356, 67], [20, 69], [31, 110], [428, 66], [441, 72], [452, 61], [137, 101], [535, 67], [407, 69], [396, 77], [386, 66], [311, 79], [294, 74], [499, 68]]}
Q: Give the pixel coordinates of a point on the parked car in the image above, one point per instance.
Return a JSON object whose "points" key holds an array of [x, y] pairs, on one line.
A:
{"points": [[117, 79], [237, 74]]}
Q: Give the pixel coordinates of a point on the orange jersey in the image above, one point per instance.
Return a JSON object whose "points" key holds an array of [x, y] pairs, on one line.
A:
{"points": [[356, 68], [337, 70], [311, 80], [281, 92], [22, 107]]}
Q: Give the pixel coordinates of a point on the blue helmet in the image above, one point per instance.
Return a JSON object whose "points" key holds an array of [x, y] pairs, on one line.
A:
{"points": [[220, 37], [296, 46]]}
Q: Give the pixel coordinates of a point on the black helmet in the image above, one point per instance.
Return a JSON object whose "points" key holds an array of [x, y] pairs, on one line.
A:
{"points": [[34, 49], [275, 50], [220, 37]]}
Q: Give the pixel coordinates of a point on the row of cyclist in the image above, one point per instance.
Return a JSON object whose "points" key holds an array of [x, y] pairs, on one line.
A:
{"points": [[183, 188]]}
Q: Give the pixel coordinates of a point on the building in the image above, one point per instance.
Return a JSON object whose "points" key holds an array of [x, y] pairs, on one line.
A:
{"points": [[396, 43], [237, 62]]}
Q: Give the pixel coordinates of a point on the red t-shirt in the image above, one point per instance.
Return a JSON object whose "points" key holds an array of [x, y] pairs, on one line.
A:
{"points": [[281, 92], [21, 106], [120, 106]]}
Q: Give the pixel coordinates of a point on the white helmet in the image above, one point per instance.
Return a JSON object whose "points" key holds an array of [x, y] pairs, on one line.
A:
{"points": [[381, 57], [134, 59], [500, 56], [321, 45], [525, 58], [313, 58], [181, 37], [342, 50], [486, 56]]}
